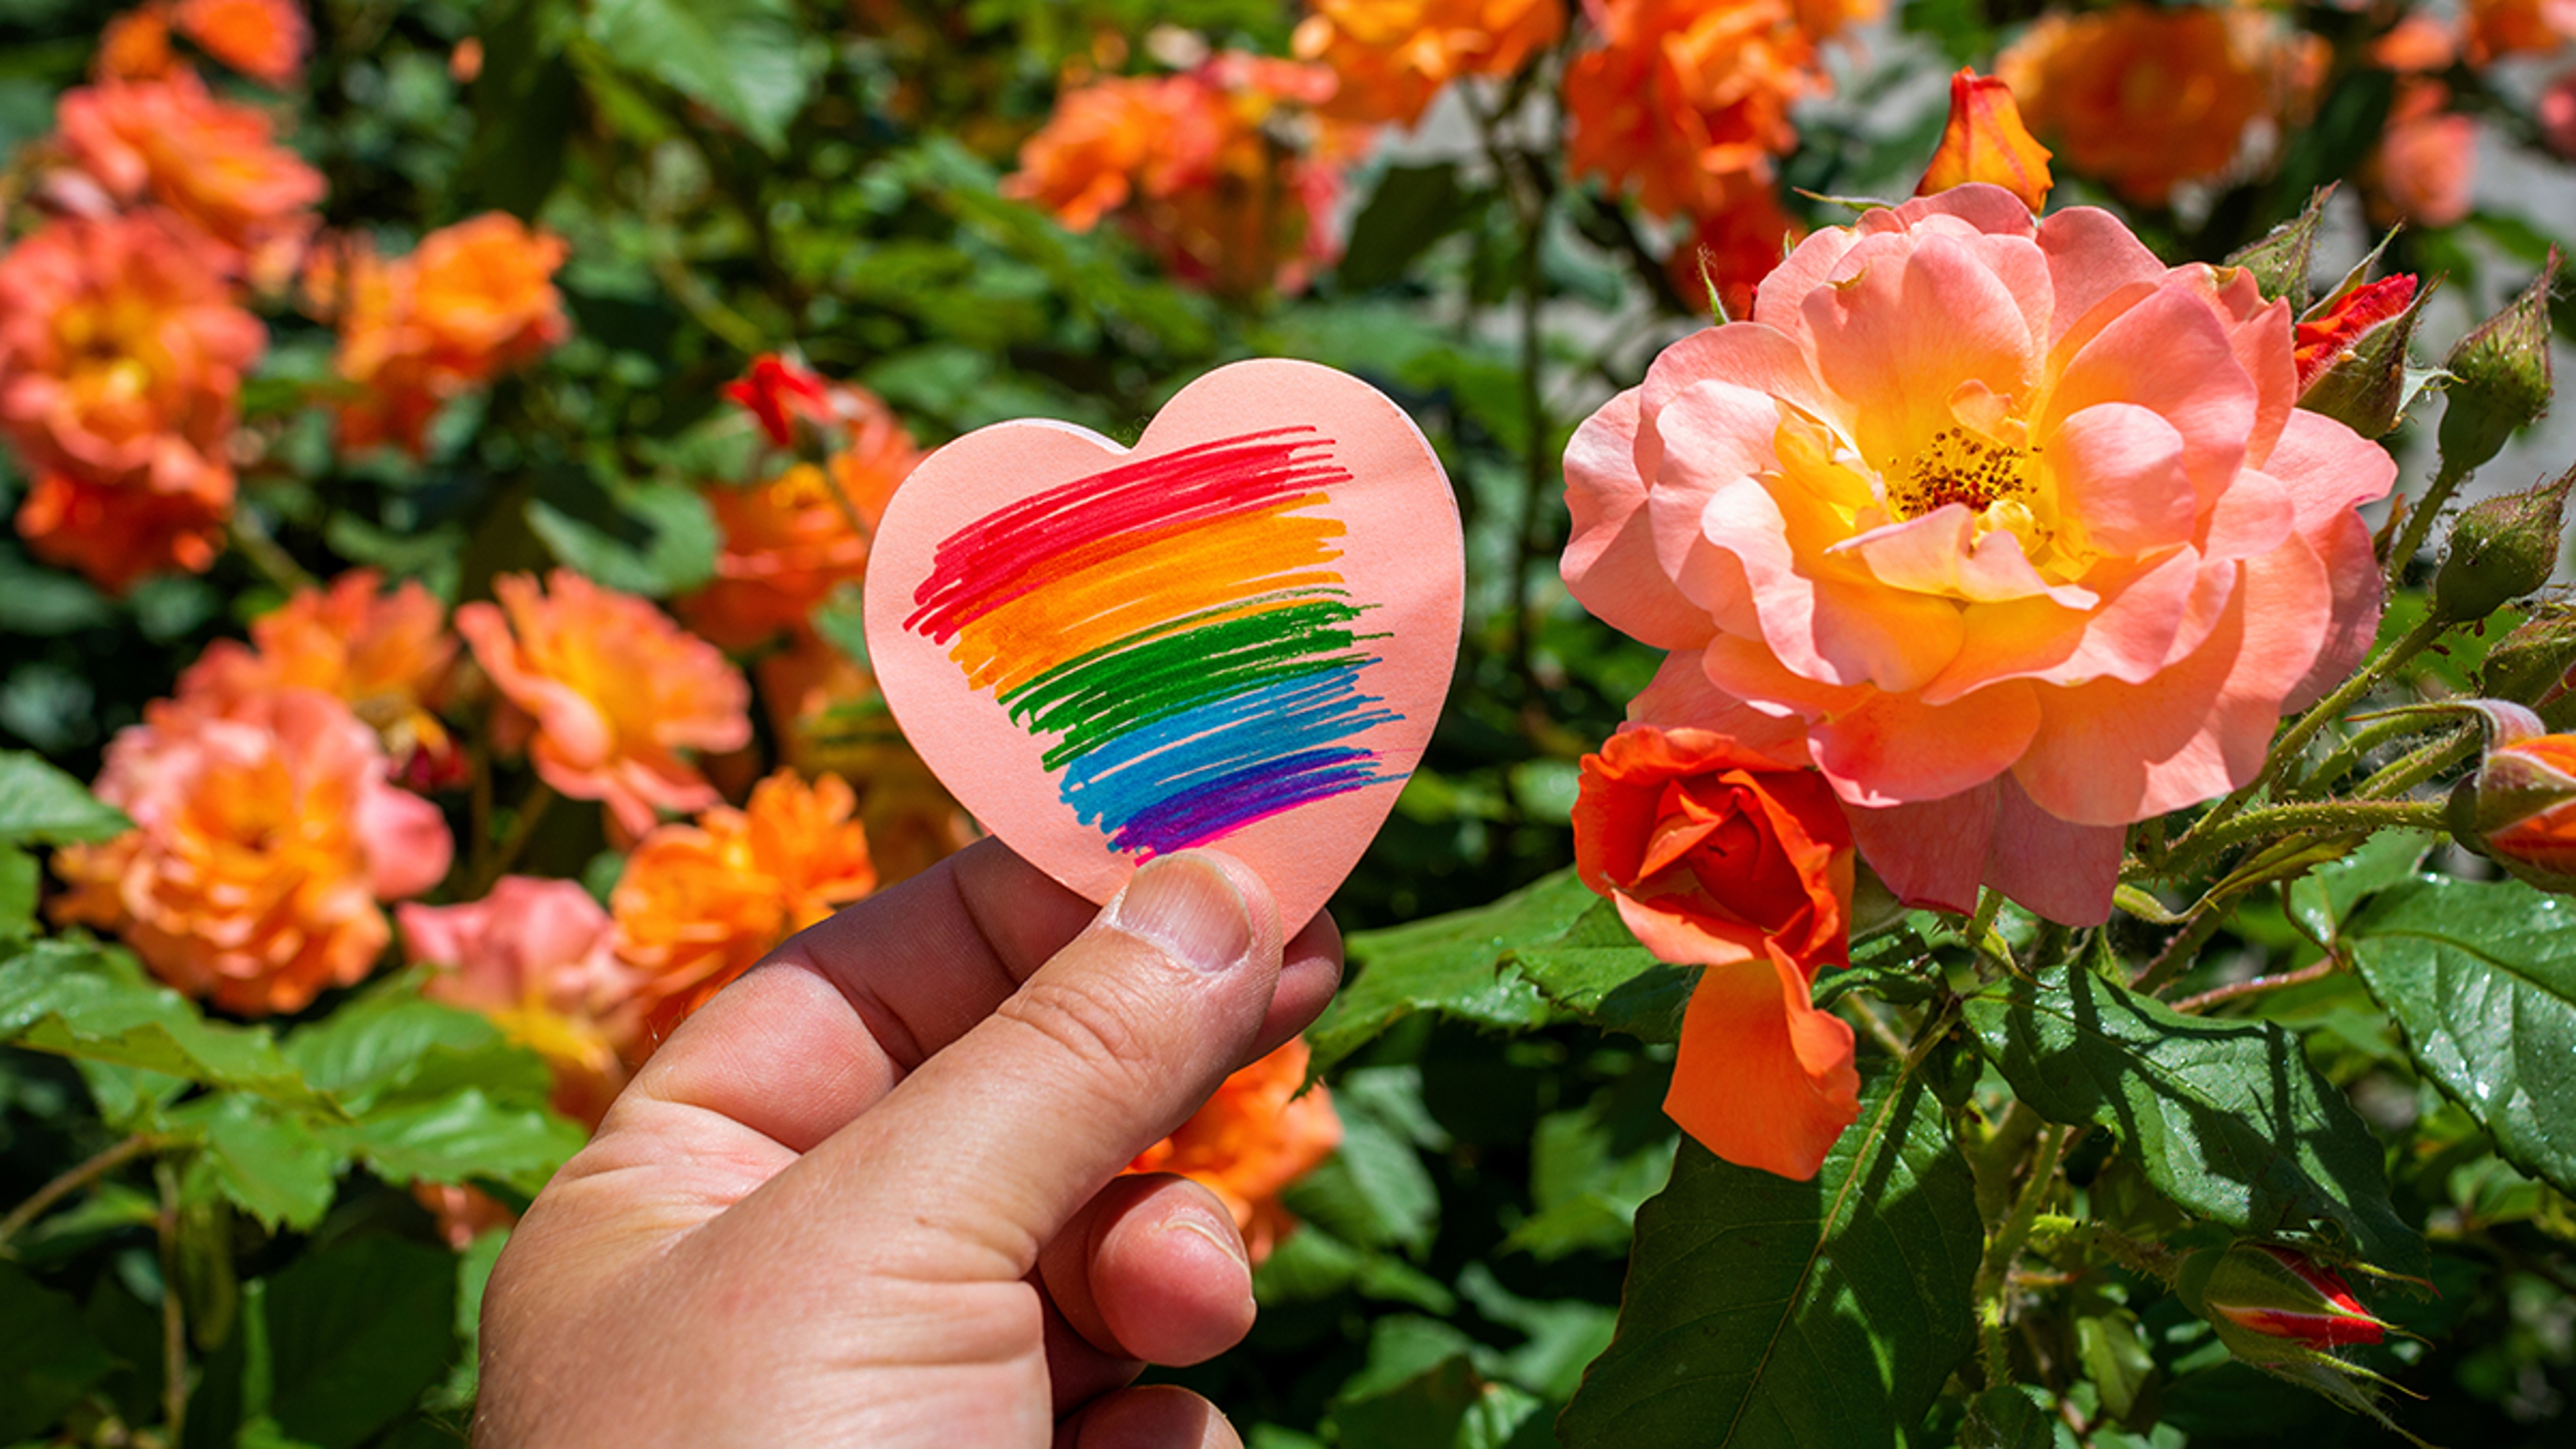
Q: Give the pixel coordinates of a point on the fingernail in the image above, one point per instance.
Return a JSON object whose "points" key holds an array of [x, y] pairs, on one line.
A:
{"points": [[1226, 1239], [1190, 908]]}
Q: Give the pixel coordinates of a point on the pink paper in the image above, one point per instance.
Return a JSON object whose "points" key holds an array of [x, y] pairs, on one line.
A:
{"points": [[1237, 634]]}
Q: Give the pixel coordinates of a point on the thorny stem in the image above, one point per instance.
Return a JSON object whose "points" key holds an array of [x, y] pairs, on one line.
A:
{"points": [[2294, 739], [74, 1180], [2325, 815], [1981, 927], [2422, 765], [2348, 754], [1994, 1272], [2316, 971], [2420, 518], [2179, 951], [174, 1324]]}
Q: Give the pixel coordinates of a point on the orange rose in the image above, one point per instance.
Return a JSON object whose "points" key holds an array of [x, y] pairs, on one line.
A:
{"points": [[136, 46], [788, 542], [2427, 160], [1392, 56], [2525, 806], [1986, 141], [263, 839], [263, 39], [1718, 856], [612, 690], [2499, 28], [472, 301], [538, 958], [1685, 94], [2149, 98], [387, 655], [1257, 1135], [121, 354], [214, 164], [1193, 165], [699, 904]]}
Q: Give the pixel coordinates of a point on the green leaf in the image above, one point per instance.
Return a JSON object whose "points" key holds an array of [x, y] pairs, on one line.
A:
{"points": [[1310, 1265], [19, 880], [1761, 1311], [1454, 965], [1421, 1387], [40, 805], [1587, 1183], [742, 58], [355, 1333], [391, 1045], [656, 539], [2481, 977], [1595, 970], [1373, 1191], [266, 1162], [1411, 207], [48, 1356], [462, 1137], [79, 1000], [2324, 897], [2226, 1117], [1564, 1334], [2014, 1416]]}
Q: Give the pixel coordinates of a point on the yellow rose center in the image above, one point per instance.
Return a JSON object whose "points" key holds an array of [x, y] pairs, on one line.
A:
{"points": [[1959, 466]]}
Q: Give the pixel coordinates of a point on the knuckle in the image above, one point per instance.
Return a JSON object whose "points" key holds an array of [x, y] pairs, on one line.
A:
{"points": [[1105, 1026]]}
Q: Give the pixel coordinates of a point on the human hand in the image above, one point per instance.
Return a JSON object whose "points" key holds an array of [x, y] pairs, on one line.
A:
{"points": [[869, 1194]]}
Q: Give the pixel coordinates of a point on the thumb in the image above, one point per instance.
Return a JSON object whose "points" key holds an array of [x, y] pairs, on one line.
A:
{"points": [[995, 1141]]}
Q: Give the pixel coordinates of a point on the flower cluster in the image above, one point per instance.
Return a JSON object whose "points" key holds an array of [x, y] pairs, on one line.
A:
{"points": [[1391, 57], [262, 39], [1226, 172]]}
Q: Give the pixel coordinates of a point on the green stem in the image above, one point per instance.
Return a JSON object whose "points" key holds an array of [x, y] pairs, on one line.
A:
{"points": [[2327, 815], [2420, 517], [1994, 1272], [2362, 742], [1981, 929], [274, 563], [2315, 971], [2186, 944], [2422, 765], [498, 863], [77, 1178], [174, 1320]]}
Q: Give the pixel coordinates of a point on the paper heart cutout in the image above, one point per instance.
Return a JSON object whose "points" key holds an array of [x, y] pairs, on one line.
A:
{"points": [[1236, 634]]}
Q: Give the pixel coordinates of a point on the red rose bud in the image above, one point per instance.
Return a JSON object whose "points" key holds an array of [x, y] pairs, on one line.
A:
{"points": [[1986, 141], [2500, 550], [2499, 376], [2526, 810], [2332, 327], [776, 392], [2271, 1305]]}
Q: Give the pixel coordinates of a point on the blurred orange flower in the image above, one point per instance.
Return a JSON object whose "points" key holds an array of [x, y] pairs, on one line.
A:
{"points": [[472, 301], [2499, 28], [612, 691], [828, 719], [213, 163], [1257, 1135], [537, 957], [263, 39], [1684, 94], [1392, 56], [121, 354], [2148, 98], [789, 541], [700, 903], [388, 656], [1734, 245], [2427, 162], [136, 45], [1198, 167], [264, 837]]}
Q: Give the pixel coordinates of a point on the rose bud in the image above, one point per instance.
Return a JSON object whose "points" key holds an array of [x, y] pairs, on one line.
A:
{"points": [[2530, 665], [2522, 810], [1986, 141], [2264, 1299], [2279, 261], [2499, 376], [2500, 550], [2352, 354]]}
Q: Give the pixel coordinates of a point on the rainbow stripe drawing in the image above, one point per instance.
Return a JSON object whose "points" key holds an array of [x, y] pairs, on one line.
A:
{"points": [[1176, 625]]}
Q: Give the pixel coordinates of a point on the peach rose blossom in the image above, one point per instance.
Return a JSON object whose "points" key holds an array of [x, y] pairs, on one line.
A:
{"points": [[2148, 98], [700, 903], [2427, 162], [121, 356], [1684, 94], [263, 39], [612, 690], [1391, 57], [387, 655], [1724, 855], [539, 958], [471, 302], [1253, 1138], [212, 163], [263, 839], [790, 541], [2016, 524]]}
